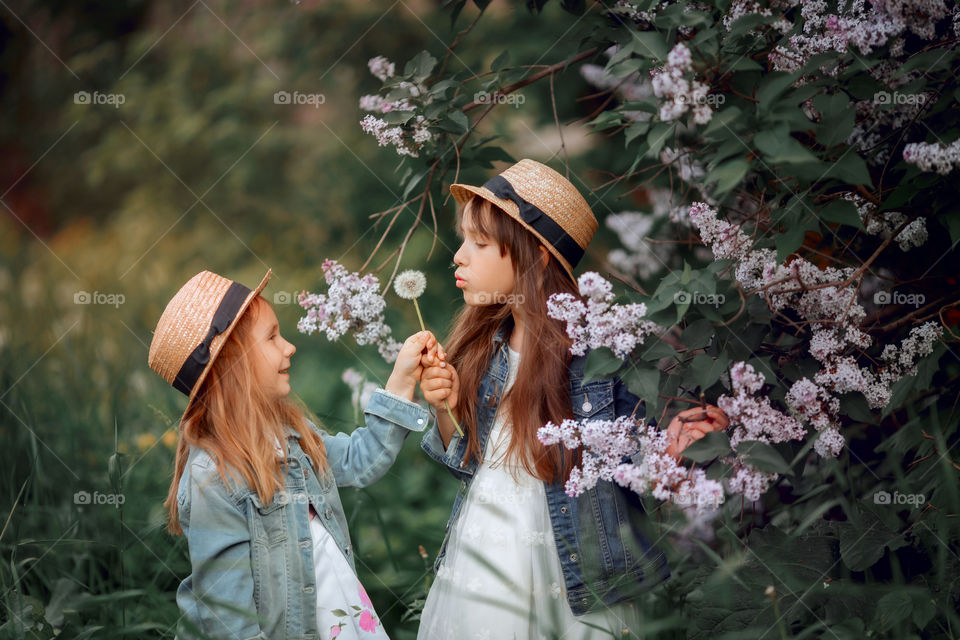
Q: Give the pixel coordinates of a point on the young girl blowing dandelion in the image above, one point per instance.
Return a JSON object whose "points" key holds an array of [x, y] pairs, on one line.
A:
{"points": [[255, 482], [522, 559]]}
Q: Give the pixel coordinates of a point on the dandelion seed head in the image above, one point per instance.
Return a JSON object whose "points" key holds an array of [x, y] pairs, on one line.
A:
{"points": [[410, 284]]}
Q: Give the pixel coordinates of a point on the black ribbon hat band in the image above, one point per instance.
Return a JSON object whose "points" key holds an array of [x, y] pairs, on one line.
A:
{"points": [[536, 218], [198, 359]]}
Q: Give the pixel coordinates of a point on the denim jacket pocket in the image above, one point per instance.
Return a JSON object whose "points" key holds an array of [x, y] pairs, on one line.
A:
{"points": [[269, 522], [593, 400]]}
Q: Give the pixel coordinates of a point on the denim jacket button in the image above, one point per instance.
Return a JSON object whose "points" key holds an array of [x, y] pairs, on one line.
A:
{"points": [[348, 550], [563, 509], [305, 544], [327, 513], [308, 589], [587, 406], [573, 557], [419, 420]]}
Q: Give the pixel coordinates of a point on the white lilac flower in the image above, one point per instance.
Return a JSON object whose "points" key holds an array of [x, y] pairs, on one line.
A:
{"points": [[353, 305], [750, 482], [381, 67], [599, 323], [608, 444]]}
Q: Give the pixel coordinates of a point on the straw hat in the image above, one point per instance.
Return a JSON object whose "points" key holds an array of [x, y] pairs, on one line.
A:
{"points": [[545, 203], [192, 329]]}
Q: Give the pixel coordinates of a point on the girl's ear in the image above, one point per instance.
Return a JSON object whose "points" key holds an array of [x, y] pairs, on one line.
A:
{"points": [[544, 255]]}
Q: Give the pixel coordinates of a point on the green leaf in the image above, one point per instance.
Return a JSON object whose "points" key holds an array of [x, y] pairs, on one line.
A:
{"points": [[779, 147], [397, 117], [650, 44], [636, 129], [601, 363], [892, 608], [658, 136], [744, 63], [722, 121], [842, 211], [420, 66], [340, 613], [789, 241], [923, 609], [713, 445], [762, 456], [643, 383], [698, 334], [500, 61], [850, 168], [707, 370], [656, 349], [728, 175], [953, 227], [773, 86], [459, 118], [861, 546], [837, 121], [412, 184]]}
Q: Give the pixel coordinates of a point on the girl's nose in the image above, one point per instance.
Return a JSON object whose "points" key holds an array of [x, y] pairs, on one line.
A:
{"points": [[291, 349]]}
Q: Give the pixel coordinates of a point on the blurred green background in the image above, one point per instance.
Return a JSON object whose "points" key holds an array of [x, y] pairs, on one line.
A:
{"points": [[181, 160]]}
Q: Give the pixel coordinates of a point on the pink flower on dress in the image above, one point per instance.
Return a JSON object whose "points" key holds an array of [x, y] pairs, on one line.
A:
{"points": [[368, 622], [335, 630], [364, 598]]}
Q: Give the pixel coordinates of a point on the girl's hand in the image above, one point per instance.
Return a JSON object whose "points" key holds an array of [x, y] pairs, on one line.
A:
{"points": [[684, 433], [440, 383], [408, 367]]}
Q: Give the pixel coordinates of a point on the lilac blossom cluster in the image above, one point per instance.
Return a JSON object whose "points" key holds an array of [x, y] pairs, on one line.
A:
{"points": [[408, 140], [634, 455], [822, 299], [597, 322], [353, 305], [645, 17], [361, 389], [867, 25], [632, 88], [679, 92], [886, 222], [933, 157]]}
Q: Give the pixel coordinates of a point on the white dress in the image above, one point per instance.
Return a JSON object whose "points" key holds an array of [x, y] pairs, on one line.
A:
{"points": [[344, 610], [501, 577]]}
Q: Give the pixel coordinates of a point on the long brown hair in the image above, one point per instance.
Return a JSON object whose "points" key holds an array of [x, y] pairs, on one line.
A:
{"points": [[541, 389], [238, 424]]}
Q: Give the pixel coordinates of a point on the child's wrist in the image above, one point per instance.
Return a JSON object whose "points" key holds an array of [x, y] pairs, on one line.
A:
{"points": [[401, 387]]}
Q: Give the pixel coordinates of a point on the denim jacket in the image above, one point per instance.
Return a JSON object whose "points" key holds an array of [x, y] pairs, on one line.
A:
{"points": [[605, 552], [252, 563]]}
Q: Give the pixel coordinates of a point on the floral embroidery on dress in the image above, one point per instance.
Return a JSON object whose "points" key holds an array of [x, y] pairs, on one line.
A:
{"points": [[366, 619]]}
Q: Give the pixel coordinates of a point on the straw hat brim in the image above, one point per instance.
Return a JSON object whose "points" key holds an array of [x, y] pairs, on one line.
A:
{"points": [[225, 335], [462, 194]]}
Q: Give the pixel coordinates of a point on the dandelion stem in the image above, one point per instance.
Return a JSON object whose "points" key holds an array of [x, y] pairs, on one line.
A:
{"points": [[445, 403], [419, 317]]}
